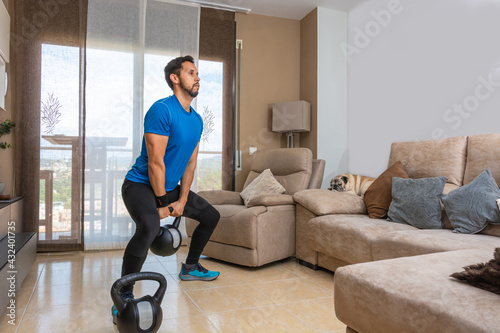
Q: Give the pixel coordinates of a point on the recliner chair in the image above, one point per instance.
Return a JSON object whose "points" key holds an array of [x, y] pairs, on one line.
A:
{"points": [[257, 235]]}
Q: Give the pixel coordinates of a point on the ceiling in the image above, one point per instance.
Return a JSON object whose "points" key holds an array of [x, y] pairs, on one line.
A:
{"points": [[292, 9]]}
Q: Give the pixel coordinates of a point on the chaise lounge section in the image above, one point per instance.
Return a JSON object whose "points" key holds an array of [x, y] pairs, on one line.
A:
{"points": [[394, 277], [415, 294]]}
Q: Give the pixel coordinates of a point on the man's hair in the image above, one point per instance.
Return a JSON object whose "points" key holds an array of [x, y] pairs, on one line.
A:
{"points": [[174, 67]]}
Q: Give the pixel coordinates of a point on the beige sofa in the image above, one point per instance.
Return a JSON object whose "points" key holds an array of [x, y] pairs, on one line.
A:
{"points": [[265, 231], [400, 281]]}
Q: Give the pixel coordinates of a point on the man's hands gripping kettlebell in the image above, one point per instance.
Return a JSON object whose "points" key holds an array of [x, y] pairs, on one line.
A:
{"points": [[174, 209], [177, 208]]}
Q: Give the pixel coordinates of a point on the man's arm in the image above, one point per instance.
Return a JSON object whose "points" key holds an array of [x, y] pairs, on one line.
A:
{"points": [[156, 145], [186, 181]]}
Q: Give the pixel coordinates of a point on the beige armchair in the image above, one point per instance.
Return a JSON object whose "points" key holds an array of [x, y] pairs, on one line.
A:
{"points": [[257, 235]]}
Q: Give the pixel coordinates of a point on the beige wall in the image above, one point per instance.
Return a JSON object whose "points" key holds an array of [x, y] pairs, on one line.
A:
{"points": [[309, 76], [270, 73], [7, 155]]}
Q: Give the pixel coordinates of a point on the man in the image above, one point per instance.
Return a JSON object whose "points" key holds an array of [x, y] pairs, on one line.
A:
{"points": [[172, 132]]}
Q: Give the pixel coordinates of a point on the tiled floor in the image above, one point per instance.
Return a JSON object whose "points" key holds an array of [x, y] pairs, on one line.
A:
{"points": [[69, 292]]}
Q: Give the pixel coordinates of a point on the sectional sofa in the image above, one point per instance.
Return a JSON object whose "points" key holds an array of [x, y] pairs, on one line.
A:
{"points": [[394, 277]]}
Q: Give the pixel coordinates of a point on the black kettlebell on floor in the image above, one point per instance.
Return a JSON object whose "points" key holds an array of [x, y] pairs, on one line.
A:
{"points": [[169, 239], [142, 315]]}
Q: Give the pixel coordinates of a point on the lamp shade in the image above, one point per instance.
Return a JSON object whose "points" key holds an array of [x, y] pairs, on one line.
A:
{"points": [[291, 117]]}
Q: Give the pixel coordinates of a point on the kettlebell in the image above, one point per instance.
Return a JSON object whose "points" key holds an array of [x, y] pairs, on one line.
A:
{"points": [[168, 240], [142, 315]]}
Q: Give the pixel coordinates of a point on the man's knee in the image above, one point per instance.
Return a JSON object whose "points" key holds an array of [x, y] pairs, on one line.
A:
{"points": [[150, 226], [213, 217]]}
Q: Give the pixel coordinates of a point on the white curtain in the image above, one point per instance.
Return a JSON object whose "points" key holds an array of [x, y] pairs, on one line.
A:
{"points": [[129, 42]]}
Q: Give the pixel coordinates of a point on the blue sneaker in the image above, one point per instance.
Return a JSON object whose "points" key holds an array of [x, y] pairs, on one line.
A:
{"points": [[114, 311], [197, 273]]}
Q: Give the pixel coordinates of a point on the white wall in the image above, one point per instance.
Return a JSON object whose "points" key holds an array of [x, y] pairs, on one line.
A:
{"points": [[332, 92], [429, 69]]}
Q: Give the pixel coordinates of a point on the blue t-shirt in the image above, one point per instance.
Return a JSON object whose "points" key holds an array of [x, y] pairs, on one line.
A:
{"points": [[167, 117]]}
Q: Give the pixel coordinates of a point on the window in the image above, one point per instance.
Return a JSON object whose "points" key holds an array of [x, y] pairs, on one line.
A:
{"points": [[113, 136], [110, 143], [209, 106], [59, 143]]}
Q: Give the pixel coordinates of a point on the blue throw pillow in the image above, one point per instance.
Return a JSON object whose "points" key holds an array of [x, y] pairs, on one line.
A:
{"points": [[472, 206], [416, 202]]}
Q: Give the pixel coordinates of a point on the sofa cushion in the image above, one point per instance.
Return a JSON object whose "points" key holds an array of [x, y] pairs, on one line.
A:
{"points": [[415, 294], [491, 229], [483, 152], [416, 202], [348, 237], [221, 197], [272, 200], [473, 205], [378, 196], [432, 158], [317, 173], [444, 218], [292, 167], [323, 202], [417, 242], [264, 184], [231, 230]]}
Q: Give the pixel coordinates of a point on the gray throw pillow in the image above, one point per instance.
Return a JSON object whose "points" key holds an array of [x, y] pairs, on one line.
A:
{"points": [[416, 202], [472, 206]]}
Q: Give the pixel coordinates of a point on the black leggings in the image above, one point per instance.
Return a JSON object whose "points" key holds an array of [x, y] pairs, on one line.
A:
{"points": [[140, 201]]}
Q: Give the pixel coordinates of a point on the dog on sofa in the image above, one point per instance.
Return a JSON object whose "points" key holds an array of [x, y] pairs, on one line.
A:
{"points": [[350, 183], [483, 275]]}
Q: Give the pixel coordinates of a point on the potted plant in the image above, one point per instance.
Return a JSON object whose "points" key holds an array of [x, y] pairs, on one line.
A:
{"points": [[6, 128]]}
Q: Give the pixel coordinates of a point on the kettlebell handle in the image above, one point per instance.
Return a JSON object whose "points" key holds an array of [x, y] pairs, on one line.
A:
{"points": [[177, 220], [130, 278]]}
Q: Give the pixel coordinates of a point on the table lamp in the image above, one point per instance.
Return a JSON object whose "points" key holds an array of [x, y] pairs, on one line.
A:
{"points": [[290, 117]]}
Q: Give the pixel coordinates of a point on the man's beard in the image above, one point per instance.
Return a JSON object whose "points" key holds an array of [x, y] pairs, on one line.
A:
{"points": [[191, 91]]}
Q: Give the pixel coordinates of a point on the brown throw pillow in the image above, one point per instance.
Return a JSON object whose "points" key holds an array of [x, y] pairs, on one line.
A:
{"points": [[378, 197], [483, 275]]}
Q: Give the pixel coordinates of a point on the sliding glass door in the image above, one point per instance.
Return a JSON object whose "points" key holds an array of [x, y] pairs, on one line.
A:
{"points": [[127, 48], [209, 106], [60, 145]]}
